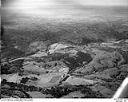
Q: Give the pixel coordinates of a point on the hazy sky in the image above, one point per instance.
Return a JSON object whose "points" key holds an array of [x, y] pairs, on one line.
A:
{"points": [[59, 9], [82, 2], [103, 2], [55, 7]]}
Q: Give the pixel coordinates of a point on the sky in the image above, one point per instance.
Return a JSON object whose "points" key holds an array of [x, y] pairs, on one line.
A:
{"points": [[23, 13], [57, 8], [57, 2], [60, 4], [104, 2]]}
